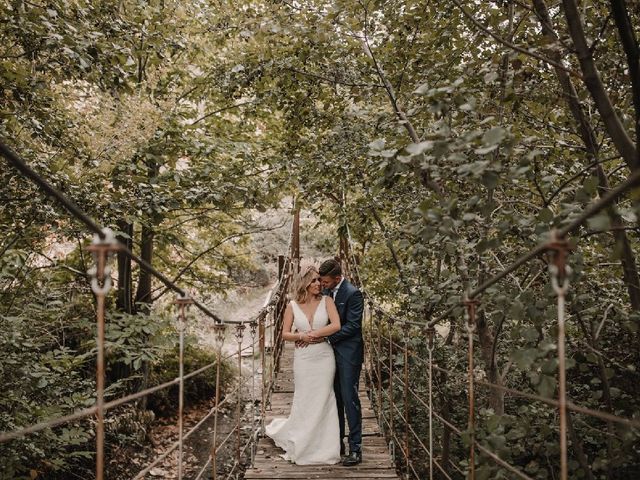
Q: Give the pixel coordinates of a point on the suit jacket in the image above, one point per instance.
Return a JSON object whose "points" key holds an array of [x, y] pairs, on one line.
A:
{"points": [[347, 342]]}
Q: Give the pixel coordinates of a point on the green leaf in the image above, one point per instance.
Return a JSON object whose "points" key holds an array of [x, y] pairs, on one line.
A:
{"points": [[546, 386], [418, 148], [524, 358], [490, 179], [494, 136], [600, 222], [378, 144], [545, 215], [590, 185]]}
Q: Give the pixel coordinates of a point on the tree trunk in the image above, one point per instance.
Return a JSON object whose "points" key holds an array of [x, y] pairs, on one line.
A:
{"points": [[576, 443], [143, 299], [124, 299], [627, 257], [594, 84], [606, 397], [487, 349], [632, 51], [143, 294], [445, 443]]}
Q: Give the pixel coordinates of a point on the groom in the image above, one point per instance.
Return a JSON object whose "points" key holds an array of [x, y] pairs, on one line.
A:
{"points": [[349, 353]]}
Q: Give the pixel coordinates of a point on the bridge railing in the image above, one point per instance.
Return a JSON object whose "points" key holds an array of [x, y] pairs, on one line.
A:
{"points": [[388, 336], [264, 328]]}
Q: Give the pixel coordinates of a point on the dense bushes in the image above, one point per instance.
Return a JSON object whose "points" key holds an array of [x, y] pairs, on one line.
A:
{"points": [[48, 370], [198, 388]]}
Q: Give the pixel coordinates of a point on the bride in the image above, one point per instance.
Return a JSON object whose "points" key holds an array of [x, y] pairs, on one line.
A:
{"points": [[311, 434]]}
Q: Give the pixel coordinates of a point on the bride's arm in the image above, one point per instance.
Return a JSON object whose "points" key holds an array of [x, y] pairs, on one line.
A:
{"points": [[287, 323], [334, 321]]}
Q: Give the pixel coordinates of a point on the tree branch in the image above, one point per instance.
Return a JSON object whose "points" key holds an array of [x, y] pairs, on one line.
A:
{"points": [[394, 255], [404, 120], [594, 84], [209, 249], [229, 107], [630, 46], [511, 45], [333, 81]]}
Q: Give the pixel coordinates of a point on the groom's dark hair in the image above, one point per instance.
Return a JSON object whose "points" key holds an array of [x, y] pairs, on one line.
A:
{"points": [[330, 267]]}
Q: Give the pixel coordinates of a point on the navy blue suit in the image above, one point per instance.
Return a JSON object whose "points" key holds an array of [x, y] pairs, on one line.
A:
{"points": [[349, 352]]}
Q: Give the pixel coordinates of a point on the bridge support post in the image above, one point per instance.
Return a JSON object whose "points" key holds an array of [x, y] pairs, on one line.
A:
{"points": [[430, 333], [100, 274], [254, 431], [239, 334], [560, 273], [378, 317], [183, 302], [392, 406], [470, 324], [295, 240], [219, 334], [407, 456]]}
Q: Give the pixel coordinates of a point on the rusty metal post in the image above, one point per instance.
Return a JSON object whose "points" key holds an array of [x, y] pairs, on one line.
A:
{"points": [[379, 366], [239, 334], [471, 305], [263, 360], [281, 265], [295, 243], [100, 275], [219, 332], [253, 326], [392, 429], [367, 329], [430, 333], [560, 282], [344, 253], [183, 302], [405, 334]]}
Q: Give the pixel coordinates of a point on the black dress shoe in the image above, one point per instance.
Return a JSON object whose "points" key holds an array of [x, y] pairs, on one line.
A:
{"points": [[352, 459]]}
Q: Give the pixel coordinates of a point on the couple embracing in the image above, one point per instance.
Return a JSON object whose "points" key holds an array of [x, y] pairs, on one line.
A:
{"points": [[324, 319]]}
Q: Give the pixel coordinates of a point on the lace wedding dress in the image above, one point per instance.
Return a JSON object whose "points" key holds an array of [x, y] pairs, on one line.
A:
{"points": [[311, 434]]}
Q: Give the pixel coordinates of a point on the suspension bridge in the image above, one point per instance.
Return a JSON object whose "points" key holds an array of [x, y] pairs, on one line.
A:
{"points": [[395, 445]]}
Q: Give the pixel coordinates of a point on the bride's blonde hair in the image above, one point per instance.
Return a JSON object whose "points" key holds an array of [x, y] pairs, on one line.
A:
{"points": [[302, 281]]}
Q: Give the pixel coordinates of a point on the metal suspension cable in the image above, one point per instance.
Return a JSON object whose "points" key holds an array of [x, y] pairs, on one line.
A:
{"points": [[603, 202], [416, 436], [20, 165], [175, 445], [28, 172], [478, 445], [630, 422], [87, 412], [220, 445]]}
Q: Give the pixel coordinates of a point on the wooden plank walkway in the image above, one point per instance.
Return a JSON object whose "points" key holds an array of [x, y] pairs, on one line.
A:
{"points": [[376, 463]]}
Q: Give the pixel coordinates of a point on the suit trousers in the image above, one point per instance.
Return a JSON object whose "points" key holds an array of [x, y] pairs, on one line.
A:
{"points": [[345, 385]]}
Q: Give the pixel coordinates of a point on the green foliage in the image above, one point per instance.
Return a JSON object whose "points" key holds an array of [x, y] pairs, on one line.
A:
{"points": [[43, 377], [196, 389], [453, 154], [132, 340]]}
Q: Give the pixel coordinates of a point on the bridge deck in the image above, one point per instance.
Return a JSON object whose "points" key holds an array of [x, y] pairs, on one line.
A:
{"points": [[376, 462]]}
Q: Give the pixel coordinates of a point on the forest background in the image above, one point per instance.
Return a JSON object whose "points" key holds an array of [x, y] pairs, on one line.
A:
{"points": [[450, 136]]}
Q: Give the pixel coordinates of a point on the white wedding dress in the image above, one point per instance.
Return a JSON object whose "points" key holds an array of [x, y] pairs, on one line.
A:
{"points": [[311, 434]]}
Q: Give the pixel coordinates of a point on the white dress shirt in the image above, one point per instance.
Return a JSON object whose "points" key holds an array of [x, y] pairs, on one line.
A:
{"points": [[334, 292]]}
